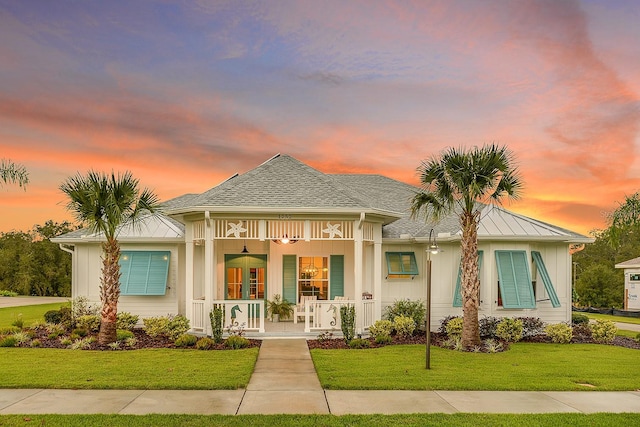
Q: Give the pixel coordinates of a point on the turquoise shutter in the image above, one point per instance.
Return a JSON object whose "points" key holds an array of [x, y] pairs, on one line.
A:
{"points": [[542, 271], [515, 280], [336, 276], [289, 278], [457, 296], [402, 263], [144, 272]]}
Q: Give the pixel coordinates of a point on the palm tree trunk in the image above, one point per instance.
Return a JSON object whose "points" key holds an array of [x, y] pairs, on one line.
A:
{"points": [[470, 281], [109, 291]]}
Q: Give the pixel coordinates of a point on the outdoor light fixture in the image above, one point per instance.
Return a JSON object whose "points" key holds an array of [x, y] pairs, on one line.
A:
{"points": [[284, 240], [433, 249]]}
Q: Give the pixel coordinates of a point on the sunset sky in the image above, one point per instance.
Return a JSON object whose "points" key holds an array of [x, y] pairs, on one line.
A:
{"points": [[185, 93]]}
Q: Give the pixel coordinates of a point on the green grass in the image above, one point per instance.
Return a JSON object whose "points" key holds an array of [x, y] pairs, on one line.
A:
{"points": [[463, 420], [620, 319], [526, 366], [627, 334], [30, 313], [127, 369]]}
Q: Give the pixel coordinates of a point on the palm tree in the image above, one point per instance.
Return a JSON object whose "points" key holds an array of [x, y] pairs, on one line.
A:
{"points": [[103, 203], [462, 180], [11, 172]]}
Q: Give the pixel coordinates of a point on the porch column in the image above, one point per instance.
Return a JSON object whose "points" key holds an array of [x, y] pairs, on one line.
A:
{"points": [[357, 274], [189, 272], [377, 271], [208, 268]]}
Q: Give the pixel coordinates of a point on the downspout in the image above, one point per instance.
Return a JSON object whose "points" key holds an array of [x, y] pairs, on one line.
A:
{"points": [[361, 221], [66, 249]]}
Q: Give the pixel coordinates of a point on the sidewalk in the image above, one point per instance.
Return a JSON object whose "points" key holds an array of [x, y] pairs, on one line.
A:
{"points": [[284, 381]]}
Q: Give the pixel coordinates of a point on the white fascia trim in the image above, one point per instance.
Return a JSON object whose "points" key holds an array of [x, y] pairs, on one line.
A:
{"points": [[244, 210]]}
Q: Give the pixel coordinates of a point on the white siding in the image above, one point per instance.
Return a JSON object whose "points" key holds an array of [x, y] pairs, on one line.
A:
{"points": [[87, 281]]}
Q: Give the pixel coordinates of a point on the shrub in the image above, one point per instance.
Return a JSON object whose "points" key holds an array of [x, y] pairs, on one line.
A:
{"points": [[80, 332], [357, 343], [215, 316], [66, 341], [404, 326], [54, 330], [6, 293], [186, 340], [114, 345], [383, 339], [381, 327], [348, 321], [205, 343], [236, 342], [444, 322], [18, 322], [325, 336], [126, 321], [90, 322], [130, 342], [413, 309], [178, 326], [53, 316], [579, 318], [9, 341], [22, 337], [36, 343], [156, 326], [82, 343], [123, 335], [638, 337], [531, 326], [80, 307], [488, 326], [66, 316], [560, 333], [8, 330], [603, 331], [509, 330], [454, 327]]}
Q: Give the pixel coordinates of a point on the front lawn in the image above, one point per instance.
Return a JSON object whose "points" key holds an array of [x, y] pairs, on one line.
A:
{"points": [[29, 313], [619, 319], [130, 369], [526, 366]]}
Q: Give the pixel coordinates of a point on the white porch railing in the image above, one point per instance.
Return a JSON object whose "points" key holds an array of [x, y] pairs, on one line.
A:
{"points": [[325, 315], [245, 314]]}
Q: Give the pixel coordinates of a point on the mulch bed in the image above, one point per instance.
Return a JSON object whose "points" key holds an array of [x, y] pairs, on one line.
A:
{"points": [[438, 340], [142, 341]]}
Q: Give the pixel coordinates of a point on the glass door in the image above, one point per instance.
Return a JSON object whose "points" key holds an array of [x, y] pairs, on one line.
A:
{"points": [[245, 276]]}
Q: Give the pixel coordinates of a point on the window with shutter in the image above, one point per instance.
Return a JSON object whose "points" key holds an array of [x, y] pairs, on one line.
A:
{"points": [[144, 272], [514, 280]]}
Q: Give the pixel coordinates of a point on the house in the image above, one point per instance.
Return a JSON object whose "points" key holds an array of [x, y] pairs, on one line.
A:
{"points": [[287, 228], [631, 284]]}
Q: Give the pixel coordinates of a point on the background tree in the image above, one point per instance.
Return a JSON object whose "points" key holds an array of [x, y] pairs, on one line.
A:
{"points": [[30, 264], [14, 173], [103, 203], [462, 180], [620, 241]]}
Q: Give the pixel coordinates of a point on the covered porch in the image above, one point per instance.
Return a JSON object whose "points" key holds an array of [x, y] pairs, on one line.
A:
{"points": [[250, 316], [240, 264]]}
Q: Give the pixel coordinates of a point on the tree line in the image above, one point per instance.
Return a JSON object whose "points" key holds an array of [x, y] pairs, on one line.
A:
{"points": [[597, 282], [30, 264]]}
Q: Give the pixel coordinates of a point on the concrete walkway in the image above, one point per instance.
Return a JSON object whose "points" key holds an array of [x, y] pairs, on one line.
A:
{"points": [[284, 381], [22, 300]]}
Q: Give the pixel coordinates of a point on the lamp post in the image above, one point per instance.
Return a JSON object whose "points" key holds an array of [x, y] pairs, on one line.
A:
{"points": [[433, 249]]}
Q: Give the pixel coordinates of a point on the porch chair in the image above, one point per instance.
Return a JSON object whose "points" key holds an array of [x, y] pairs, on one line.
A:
{"points": [[299, 310]]}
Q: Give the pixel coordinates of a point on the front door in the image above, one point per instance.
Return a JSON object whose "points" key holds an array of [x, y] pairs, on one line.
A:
{"points": [[245, 276]]}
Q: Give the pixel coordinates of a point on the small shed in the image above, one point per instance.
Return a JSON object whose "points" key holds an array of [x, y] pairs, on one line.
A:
{"points": [[631, 283]]}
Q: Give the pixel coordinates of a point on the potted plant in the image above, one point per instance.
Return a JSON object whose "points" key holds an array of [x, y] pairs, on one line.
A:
{"points": [[279, 308]]}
